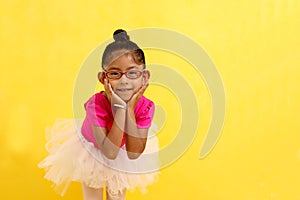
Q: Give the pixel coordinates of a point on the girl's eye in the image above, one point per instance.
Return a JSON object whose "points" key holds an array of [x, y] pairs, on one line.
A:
{"points": [[132, 73], [114, 73]]}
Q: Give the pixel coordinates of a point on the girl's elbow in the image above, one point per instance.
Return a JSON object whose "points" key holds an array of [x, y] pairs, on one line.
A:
{"points": [[111, 155], [136, 151], [133, 156]]}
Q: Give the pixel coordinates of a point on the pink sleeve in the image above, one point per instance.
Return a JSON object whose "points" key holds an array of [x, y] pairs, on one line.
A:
{"points": [[96, 113], [145, 114]]}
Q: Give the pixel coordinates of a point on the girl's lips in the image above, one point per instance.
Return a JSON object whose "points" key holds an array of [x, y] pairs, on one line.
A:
{"points": [[124, 89]]}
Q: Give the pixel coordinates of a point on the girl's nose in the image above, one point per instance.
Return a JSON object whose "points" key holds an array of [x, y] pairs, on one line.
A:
{"points": [[123, 79]]}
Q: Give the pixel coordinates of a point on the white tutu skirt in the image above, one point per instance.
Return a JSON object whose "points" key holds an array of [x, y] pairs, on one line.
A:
{"points": [[72, 158]]}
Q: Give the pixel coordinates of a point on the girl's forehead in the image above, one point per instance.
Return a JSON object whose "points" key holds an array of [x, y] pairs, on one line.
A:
{"points": [[123, 61]]}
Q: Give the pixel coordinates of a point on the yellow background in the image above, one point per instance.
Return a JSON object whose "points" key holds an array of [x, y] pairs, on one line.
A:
{"points": [[254, 44]]}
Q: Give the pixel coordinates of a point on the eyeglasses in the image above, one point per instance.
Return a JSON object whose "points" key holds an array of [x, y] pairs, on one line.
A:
{"points": [[131, 74]]}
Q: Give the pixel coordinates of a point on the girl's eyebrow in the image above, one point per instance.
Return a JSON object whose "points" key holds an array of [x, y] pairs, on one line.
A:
{"points": [[114, 68], [132, 67], [128, 68]]}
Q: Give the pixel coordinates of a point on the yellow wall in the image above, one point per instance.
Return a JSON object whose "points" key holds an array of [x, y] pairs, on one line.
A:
{"points": [[254, 44]]}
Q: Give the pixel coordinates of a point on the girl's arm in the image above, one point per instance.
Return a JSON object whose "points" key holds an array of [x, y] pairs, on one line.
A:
{"points": [[136, 138], [109, 142]]}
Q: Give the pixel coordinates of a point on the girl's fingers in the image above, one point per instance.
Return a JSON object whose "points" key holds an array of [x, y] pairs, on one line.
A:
{"points": [[139, 92], [105, 84], [143, 88], [110, 88]]}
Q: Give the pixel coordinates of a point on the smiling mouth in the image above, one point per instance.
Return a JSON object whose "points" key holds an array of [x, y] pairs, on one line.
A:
{"points": [[124, 90]]}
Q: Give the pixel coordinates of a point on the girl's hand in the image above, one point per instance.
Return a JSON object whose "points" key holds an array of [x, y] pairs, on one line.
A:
{"points": [[112, 97], [137, 94]]}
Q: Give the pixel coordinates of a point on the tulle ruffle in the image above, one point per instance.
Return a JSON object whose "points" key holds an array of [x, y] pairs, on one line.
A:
{"points": [[72, 158]]}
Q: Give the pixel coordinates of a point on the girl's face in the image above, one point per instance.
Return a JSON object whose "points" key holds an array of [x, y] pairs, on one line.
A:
{"points": [[124, 87]]}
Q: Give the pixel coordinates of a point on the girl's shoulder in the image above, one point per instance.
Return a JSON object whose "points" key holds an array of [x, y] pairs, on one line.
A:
{"points": [[98, 99], [144, 105], [100, 96], [144, 112], [145, 102]]}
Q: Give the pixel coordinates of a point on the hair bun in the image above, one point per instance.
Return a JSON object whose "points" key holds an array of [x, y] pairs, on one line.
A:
{"points": [[121, 35]]}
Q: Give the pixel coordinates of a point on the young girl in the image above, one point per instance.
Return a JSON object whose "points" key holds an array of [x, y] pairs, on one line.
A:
{"points": [[115, 146]]}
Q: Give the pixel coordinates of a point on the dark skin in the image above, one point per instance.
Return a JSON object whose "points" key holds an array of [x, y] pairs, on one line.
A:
{"points": [[109, 142]]}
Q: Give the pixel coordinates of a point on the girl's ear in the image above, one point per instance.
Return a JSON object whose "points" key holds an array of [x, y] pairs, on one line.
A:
{"points": [[146, 77], [101, 77]]}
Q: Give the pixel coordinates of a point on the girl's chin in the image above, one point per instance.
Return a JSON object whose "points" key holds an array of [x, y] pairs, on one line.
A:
{"points": [[125, 97]]}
